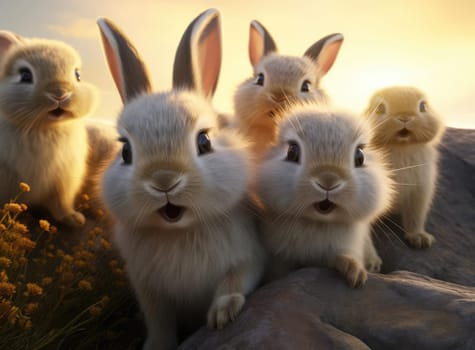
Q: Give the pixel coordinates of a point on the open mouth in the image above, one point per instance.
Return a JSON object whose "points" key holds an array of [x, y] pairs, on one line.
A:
{"points": [[171, 213], [325, 207], [404, 133], [57, 113]]}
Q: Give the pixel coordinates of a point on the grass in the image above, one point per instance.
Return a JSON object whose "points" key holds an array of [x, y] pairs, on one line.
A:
{"points": [[63, 288]]}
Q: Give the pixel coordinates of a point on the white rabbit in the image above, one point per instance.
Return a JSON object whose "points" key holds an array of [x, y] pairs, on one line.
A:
{"points": [[321, 186], [408, 130], [178, 189], [278, 81], [42, 133]]}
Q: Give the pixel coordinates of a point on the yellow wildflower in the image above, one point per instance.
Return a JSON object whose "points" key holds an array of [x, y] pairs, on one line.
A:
{"points": [[14, 208], [68, 259], [30, 308], [45, 225], [20, 228], [60, 252], [80, 263], [85, 285], [24, 207], [3, 276], [105, 244], [5, 306], [25, 323], [7, 289], [13, 315], [33, 289], [53, 229], [105, 300], [24, 187], [2, 227], [5, 262], [46, 281], [24, 242]]}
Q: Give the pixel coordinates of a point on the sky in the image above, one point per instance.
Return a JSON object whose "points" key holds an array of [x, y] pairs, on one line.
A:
{"points": [[429, 44]]}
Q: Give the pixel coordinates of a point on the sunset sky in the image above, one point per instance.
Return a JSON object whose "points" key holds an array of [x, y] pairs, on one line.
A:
{"points": [[426, 43]]}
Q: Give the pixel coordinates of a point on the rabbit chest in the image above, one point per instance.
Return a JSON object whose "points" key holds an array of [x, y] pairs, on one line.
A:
{"points": [[413, 170], [47, 159]]}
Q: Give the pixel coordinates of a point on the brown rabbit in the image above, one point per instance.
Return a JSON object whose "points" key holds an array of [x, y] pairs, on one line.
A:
{"points": [[43, 138], [279, 80], [408, 130]]}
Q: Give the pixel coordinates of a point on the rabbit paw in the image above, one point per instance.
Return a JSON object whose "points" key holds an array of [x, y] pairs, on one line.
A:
{"points": [[420, 240], [373, 263], [354, 273], [224, 309], [75, 219]]}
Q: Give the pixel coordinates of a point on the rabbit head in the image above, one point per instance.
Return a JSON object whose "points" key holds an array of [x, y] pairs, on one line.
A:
{"points": [[402, 115], [177, 168], [280, 80], [40, 82], [322, 169]]}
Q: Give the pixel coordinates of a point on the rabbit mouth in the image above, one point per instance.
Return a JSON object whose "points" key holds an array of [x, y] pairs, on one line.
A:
{"points": [[171, 213], [57, 113], [324, 207], [403, 133]]}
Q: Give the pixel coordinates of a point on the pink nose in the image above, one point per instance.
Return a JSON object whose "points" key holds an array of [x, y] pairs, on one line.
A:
{"points": [[58, 98]]}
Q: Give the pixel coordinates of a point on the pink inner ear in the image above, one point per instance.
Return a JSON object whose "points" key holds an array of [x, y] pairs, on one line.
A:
{"points": [[7, 40], [256, 46], [209, 53], [114, 67], [328, 56]]}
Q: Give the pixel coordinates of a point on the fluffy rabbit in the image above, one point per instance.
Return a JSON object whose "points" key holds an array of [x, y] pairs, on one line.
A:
{"points": [[178, 188], [44, 139], [321, 186], [408, 130], [277, 81]]}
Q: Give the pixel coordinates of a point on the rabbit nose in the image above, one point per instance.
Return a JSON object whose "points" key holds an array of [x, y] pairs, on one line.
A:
{"points": [[58, 96], [165, 180], [328, 181], [404, 118]]}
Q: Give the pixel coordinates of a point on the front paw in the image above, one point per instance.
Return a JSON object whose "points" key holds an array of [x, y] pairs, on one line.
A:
{"points": [[373, 263], [353, 271], [420, 240], [75, 219], [224, 309]]}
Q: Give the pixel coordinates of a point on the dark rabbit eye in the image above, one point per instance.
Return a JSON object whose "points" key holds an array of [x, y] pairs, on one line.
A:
{"points": [[77, 73], [25, 75], [126, 151], [260, 79], [359, 157], [204, 143], [306, 86], [293, 152], [381, 109], [423, 106]]}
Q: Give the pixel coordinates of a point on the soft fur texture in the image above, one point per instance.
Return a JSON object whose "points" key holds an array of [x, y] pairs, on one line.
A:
{"points": [[204, 261], [257, 106], [409, 136], [298, 228], [42, 145]]}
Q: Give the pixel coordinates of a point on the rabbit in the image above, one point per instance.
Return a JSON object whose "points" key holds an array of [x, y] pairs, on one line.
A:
{"points": [[408, 129], [278, 81], [43, 102], [177, 190], [321, 186]]}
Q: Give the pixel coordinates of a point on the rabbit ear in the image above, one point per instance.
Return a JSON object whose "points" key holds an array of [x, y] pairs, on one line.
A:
{"points": [[324, 51], [125, 64], [260, 42], [7, 40], [198, 56]]}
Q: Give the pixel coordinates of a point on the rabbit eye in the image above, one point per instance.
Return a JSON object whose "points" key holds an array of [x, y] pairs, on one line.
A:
{"points": [[359, 157], [126, 151], [306, 86], [381, 109], [260, 79], [423, 106], [293, 152], [77, 73], [25, 75], [204, 143]]}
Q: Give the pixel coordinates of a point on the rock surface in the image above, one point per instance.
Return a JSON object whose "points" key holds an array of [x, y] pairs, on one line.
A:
{"points": [[431, 307]]}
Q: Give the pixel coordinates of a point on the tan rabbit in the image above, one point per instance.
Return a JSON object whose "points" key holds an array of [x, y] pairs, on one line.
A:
{"points": [[322, 186], [178, 189], [42, 133], [279, 80], [408, 130]]}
